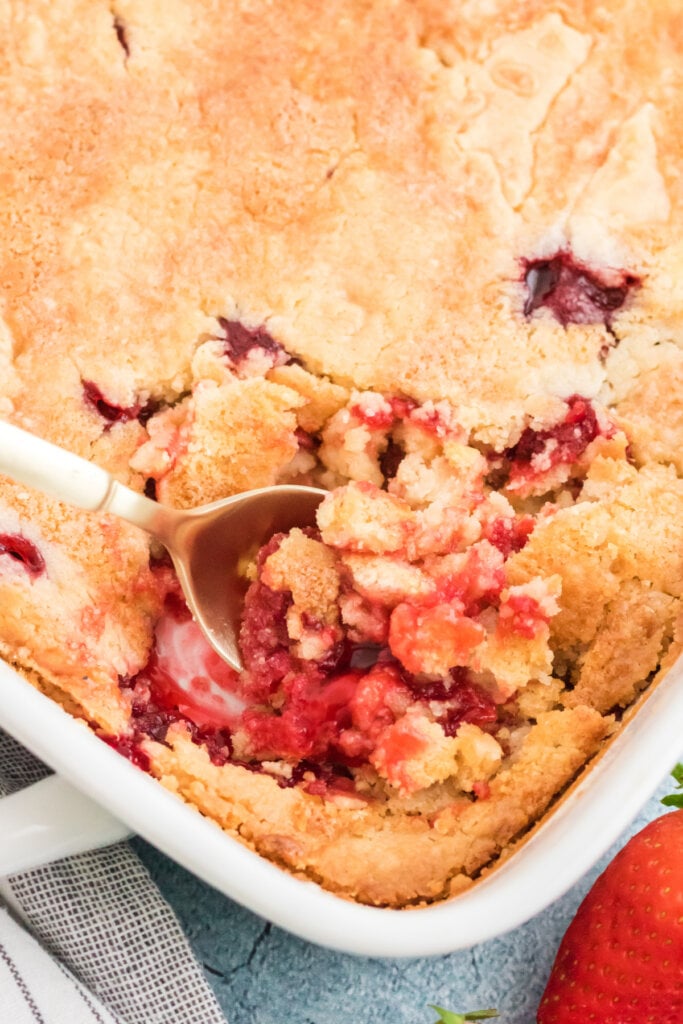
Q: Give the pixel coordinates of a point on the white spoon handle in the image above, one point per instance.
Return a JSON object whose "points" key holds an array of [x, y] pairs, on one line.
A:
{"points": [[66, 476], [30, 460]]}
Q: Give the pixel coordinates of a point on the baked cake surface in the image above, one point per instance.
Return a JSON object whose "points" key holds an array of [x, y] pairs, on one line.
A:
{"points": [[427, 255]]}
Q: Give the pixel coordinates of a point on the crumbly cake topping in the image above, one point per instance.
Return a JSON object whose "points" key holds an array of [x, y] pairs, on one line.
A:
{"points": [[423, 254]]}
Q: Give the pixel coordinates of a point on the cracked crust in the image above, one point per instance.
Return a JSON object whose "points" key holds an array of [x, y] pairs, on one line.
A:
{"points": [[185, 221], [364, 184]]}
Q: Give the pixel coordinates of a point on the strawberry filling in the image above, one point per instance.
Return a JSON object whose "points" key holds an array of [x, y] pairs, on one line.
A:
{"points": [[364, 701], [315, 713], [538, 452], [397, 748], [523, 615], [468, 702], [574, 292], [185, 681], [383, 414], [121, 35], [23, 551], [433, 639], [320, 723], [367, 664], [509, 535], [264, 641], [240, 341], [112, 413]]}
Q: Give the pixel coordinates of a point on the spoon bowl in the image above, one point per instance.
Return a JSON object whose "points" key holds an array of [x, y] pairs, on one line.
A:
{"points": [[207, 544]]}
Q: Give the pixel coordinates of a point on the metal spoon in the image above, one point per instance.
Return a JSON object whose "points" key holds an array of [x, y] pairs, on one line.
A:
{"points": [[205, 543]]}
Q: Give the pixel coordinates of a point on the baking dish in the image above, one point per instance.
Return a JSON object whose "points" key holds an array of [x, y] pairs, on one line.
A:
{"points": [[98, 797]]}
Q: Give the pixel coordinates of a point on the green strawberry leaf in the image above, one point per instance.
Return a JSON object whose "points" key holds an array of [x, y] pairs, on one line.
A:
{"points": [[448, 1017], [675, 799]]}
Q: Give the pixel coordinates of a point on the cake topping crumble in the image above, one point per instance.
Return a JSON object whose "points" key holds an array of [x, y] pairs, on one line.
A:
{"points": [[574, 292], [377, 645], [371, 642]]}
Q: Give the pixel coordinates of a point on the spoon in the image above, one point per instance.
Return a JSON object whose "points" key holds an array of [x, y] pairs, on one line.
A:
{"points": [[205, 543]]}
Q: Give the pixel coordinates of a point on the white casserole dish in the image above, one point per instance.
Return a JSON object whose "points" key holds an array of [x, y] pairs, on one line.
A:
{"points": [[52, 819]]}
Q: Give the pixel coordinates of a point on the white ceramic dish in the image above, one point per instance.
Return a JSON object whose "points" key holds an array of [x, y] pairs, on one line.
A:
{"points": [[55, 818]]}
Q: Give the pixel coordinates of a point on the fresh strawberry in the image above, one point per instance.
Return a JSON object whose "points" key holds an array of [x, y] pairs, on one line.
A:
{"points": [[621, 960]]}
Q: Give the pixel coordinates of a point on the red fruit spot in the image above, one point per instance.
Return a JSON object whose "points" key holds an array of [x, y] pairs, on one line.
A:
{"points": [[509, 535], [390, 459], [307, 442], [380, 697], [264, 641], [333, 719], [383, 417], [431, 421], [432, 639], [404, 742], [476, 584], [522, 614], [150, 490], [375, 418], [130, 750], [240, 340], [432, 689], [468, 702], [149, 409], [22, 550], [314, 713], [481, 790], [403, 407], [319, 779], [574, 292], [539, 451], [121, 35], [94, 397]]}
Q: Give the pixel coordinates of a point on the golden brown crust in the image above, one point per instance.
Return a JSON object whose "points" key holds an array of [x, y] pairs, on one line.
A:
{"points": [[651, 412], [235, 437], [366, 851], [451, 147], [630, 535], [88, 618], [631, 639], [365, 183]]}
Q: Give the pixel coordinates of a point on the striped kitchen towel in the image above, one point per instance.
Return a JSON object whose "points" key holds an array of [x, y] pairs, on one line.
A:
{"points": [[90, 939]]}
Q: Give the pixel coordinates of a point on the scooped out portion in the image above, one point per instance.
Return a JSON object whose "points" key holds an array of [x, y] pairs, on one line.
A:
{"points": [[422, 658], [387, 646]]}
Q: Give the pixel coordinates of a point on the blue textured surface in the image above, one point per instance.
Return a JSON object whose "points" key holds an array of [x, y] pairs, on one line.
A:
{"points": [[262, 975]]}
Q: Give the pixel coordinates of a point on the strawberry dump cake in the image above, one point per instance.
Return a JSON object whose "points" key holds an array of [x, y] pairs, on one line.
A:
{"points": [[425, 255]]}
